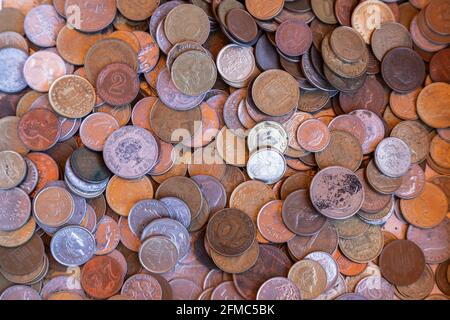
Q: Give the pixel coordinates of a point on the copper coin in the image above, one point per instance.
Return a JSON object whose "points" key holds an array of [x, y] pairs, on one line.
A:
{"points": [[404, 77], [348, 267], [39, 129], [42, 25], [374, 128], [129, 240], [439, 71], [12, 20], [412, 183], [47, 169], [89, 166], [272, 262], [9, 128], [337, 192], [350, 124], [300, 216], [264, 10], [343, 10], [371, 240], [430, 102], [370, 96], [373, 200], [402, 262], [437, 207], [278, 288], [158, 254], [184, 289], [293, 37], [123, 194], [389, 36], [380, 182], [141, 112], [42, 69], [137, 10], [102, 277], [93, 16], [344, 150], [107, 236], [96, 128], [271, 225], [226, 291], [241, 25], [415, 135], [404, 105], [233, 222], [441, 277], [53, 206], [313, 135], [275, 87], [299, 181], [23, 259], [237, 264]]}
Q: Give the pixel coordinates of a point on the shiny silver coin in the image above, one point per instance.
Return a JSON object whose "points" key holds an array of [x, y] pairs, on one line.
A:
{"points": [[266, 165], [267, 134], [393, 157]]}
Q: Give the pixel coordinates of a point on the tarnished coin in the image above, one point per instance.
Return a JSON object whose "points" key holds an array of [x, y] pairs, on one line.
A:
{"points": [[235, 63], [293, 37], [137, 10], [13, 169], [213, 191], [72, 97], [53, 206], [158, 254], [337, 192], [16, 238], [89, 166], [39, 129], [350, 124], [310, 277], [347, 44], [344, 150], [275, 92], [241, 25], [130, 152], [365, 247], [16, 209], [419, 289], [237, 264], [96, 128], [223, 239], [279, 288], [393, 157], [431, 105], [20, 292], [380, 13], [266, 165], [93, 16], [434, 200], [374, 128], [193, 73], [180, 17], [313, 135], [300, 216], [350, 228], [270, 223], [380, 182], [12, 78], [375, 288], [406, 76], [413, 183], [415, 135], [143, 213], [73, 246], [42, 25], [42, 68], [402, 262], [265, 9]]}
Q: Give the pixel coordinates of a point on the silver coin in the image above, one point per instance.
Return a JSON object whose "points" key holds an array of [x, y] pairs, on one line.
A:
{"points": [[374, 128], [178, 210], [158, 254], [20, 292], [266, 165], [375, 288], [278, 288], [267, 134], [81, 184], [172, 229], [62, 283], [31, 179], [82, 193], [351, 296], [80, 203], [236, 63], [131, 152], [338, 289], [12, 61], [73, 246], [328, 264], [393, 157], [144, 212], [15, 209]]}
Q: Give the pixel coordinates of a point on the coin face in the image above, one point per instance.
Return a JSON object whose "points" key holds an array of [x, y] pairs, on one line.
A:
{"points": [[313, 135], [130, 152], [92, 19], [158, 254], [337, 192], [12, 63], [266, 165], [143, 213], [310, 277], [393, 157], [279, 289]]}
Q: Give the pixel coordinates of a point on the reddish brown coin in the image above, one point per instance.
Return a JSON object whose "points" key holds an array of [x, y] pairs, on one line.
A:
{"points": [[107, 236], [346, 266], [96, 128], [39, 129], [293, 37], [313, 135], [90, 16], [102, 277], [402, 262], [271, 225]]}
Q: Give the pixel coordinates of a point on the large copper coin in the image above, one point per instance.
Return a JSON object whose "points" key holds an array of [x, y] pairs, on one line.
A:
{"points": [[39, 129], [264, 9], [223, 230], [300, 216], [90, 16], [271, 225], [402, 262], [272, 262], [337, 192], [137, 10], [237, 264], [293, 37], [241, 25], [42, 25], [102, 277], [96, 129], [431, 105]]}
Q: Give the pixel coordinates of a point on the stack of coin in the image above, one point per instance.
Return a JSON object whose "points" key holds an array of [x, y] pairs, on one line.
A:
{"points": [[238, 150]]}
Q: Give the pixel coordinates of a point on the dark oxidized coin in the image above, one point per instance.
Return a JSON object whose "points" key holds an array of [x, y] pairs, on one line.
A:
{"points": [[89, 166]]}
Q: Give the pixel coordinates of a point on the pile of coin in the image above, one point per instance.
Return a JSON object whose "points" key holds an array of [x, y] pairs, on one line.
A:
{"points": [[224, 150]]}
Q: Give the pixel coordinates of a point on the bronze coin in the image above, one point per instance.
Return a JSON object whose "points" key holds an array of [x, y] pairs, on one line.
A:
{"points": [[343, 10], [373, 200], [293, 37], [380, 182], [237, 264], [350, 124], [271, 225], [12, 20], [389, 36], [241, 25], [405, 76], [272, 262], [431, 105], [93, 16], [39, 129], [402, 262], [439, 66], [223, 228], [89, 165], [313, 135], [442, 277], [299, 181], [53, 206]]}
